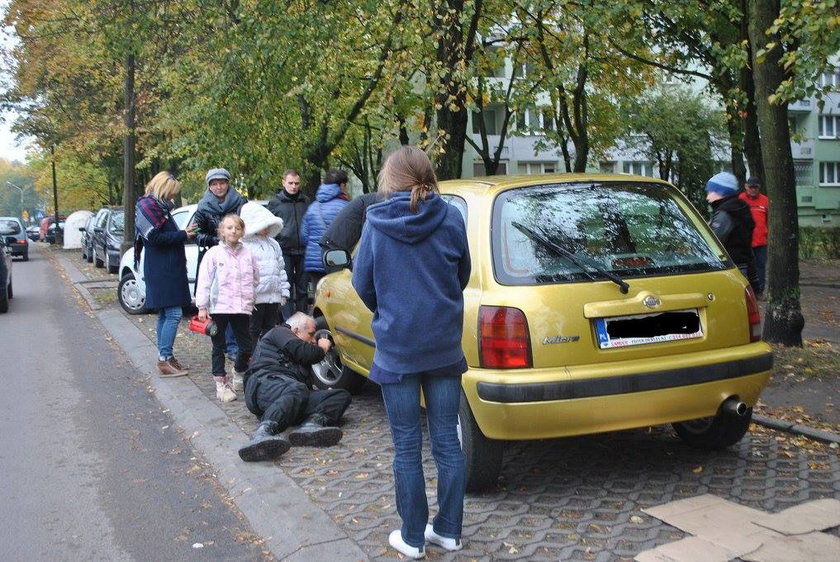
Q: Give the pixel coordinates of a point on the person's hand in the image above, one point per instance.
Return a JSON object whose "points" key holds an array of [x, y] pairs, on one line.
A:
{"points": [[325, 344], [202, 314]]}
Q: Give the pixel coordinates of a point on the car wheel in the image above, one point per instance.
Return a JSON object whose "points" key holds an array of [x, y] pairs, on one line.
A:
{"points": [[331, 372], [130, 296], [26, 255], [89, 255], [4, 297], [111, 268], [98, 262], [714, 433], [482, 456]]}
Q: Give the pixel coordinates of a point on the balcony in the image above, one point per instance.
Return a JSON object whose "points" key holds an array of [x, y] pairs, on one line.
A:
{"points": [[801, 106], [802, 150]]}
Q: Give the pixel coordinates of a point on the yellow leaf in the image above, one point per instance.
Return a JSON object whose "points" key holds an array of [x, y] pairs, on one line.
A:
{"points": [[697, 470]]}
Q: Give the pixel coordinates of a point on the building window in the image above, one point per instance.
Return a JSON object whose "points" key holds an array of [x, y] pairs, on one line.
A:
{"points": [[803, 170], [607, 167], [493, 64], [829, 173], [537, 167], [831, 79], [480, 170], [533, 121], [829, 126], [489, 116], [639, 168]]}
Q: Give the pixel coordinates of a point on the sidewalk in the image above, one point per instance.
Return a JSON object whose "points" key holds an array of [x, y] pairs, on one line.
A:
{"points": [[568, 499]]}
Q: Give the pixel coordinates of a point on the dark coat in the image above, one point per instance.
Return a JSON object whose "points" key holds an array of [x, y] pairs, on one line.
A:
{"points": [[209, 214], [291, 209], [329, 200], [344, 232], [280, 353], [165, 266], [733, 224], [410, 270]]}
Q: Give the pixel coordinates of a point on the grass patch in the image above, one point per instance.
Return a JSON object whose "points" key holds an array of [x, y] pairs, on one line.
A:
{"points": [[815, 359], [104, 297]]}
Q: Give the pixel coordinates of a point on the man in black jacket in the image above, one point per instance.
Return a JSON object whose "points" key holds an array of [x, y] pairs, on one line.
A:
{"points": [[732, 222], [278, 391], [290, 205]]}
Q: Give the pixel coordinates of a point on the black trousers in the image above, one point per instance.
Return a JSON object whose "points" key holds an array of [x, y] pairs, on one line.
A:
{"points": [[263, 318], [288, 401], [239, 324], [298, 281]]}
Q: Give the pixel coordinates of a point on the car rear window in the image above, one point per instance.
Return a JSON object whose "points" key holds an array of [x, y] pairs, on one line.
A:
{"points": [[626, 228], [12, 227]]}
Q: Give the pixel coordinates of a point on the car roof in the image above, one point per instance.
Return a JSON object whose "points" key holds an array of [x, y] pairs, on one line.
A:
{"points": [[495, 184]]}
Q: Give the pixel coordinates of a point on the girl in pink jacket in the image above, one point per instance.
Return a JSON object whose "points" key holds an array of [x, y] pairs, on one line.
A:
{"points": [[225, 290]]}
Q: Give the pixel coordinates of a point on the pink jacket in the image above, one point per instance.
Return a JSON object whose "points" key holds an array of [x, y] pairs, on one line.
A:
{"points": [[226, 280]]}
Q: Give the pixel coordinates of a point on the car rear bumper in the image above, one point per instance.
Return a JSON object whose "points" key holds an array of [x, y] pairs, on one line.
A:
{"points": [[19, 249], [538, 404]]}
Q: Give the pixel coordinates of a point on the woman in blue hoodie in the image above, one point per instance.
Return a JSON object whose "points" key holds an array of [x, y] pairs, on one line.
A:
{"points": [[410, 270]]}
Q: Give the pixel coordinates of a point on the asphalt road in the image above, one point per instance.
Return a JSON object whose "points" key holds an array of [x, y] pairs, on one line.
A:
{"points": [[92, 467]]}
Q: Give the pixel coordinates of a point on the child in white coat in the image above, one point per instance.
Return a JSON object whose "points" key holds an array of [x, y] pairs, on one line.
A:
{"points": [[261, 226]]}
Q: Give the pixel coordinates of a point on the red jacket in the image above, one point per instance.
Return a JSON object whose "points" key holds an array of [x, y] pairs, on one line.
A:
{"points": [[760, 208]]}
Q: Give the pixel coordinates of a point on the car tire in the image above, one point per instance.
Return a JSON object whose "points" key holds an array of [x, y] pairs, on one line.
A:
{"points": [[111, 268], [331, 372], [98, 262], [714, 433], [26, 255], [128, 293], [4, 298], [89, 255], [482, 456]]}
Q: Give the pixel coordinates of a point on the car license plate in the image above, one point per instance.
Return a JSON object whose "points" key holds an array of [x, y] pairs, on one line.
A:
{"points": [[625, 331]]}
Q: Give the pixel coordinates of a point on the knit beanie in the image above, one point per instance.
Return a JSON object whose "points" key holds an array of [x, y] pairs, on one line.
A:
{"points": [[723, 183], [216, 174]]}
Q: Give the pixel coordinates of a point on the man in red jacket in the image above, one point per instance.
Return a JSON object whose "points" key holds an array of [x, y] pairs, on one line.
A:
{"points": [[760, 208]]}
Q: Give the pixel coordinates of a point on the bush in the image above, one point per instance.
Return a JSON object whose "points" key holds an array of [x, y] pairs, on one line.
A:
{"points": [[819, 242]]}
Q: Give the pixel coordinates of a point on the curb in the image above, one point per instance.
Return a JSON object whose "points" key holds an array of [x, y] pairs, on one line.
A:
{"points": [[796, 428], [294, 528]]}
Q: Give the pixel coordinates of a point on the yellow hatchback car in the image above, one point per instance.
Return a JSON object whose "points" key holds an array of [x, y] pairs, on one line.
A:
{"points": [[596, 303]]}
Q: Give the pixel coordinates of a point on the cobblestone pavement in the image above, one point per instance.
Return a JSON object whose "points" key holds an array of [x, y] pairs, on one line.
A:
{"points": [[565, 499]]}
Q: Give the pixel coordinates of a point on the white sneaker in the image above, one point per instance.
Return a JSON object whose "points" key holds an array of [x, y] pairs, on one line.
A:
{"points": [[224, 392], [448, 544], [395, 540]]}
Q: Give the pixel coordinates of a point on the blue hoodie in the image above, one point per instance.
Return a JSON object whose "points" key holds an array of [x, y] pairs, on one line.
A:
{"points": [[410, 270], [329, 200]]}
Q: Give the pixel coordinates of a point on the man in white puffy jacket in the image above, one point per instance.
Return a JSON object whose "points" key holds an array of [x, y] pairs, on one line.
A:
{"points": [[261, 226]]}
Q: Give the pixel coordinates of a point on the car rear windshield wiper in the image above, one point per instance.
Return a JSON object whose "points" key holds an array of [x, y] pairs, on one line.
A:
{"points": [[540, 237]]}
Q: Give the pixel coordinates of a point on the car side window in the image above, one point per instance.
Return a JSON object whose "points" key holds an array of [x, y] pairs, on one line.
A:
{"points": [[458, 203]]}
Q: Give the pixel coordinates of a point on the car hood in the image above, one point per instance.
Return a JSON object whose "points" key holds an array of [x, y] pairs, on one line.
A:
{"points": [[395, 218]]}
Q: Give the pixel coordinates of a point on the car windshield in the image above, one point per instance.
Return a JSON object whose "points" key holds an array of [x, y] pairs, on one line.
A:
{"points": [[9, 227], [117, 222], [592, 230]]}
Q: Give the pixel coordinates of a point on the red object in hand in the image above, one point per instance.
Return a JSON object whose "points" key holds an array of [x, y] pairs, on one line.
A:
{"points": [[206, 327]]}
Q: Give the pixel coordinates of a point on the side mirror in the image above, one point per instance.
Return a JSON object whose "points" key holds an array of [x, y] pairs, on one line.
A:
{"points": [[337, 258]]}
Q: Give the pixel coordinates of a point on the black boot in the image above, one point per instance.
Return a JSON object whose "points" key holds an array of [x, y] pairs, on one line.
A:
{"points": [[265, 445], [313, 433]]}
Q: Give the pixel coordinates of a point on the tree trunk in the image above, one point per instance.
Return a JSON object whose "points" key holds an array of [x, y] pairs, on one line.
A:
{"points": [[783, 323], [129, 189]]}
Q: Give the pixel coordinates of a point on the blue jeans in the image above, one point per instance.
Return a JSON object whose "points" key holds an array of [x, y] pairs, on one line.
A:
{"points": [[167, 327], [231, 347], [402, 404]]}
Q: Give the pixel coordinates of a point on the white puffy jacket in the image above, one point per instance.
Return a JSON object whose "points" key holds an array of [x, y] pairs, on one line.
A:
{"points": [[273, 285]]}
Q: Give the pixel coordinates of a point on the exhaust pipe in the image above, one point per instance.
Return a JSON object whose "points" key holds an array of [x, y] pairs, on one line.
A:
{"points": [[734, 407]]}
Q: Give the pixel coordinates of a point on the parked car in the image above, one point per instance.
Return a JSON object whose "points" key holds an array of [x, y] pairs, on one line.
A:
{"points": [[33, 232], [131, 291], [87, 239], [107, 242], [596, 303], [50, 238], [17, 239], [6, 292]]}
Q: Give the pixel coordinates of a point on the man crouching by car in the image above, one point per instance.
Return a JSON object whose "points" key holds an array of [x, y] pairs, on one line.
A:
{"points": [[278, 391]]}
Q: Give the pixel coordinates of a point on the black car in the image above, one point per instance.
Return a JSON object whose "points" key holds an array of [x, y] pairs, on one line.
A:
{"points": [[6, 238], [17, 239], [108, 237], [87, 239]]}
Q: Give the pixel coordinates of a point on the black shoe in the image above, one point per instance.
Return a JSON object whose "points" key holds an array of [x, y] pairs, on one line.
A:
{"points": [[265, 445], [314, 433]]}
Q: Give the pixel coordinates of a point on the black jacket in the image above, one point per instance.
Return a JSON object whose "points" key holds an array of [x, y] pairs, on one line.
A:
{"points": [[346, 228], [733, 224], [291, 209], [209, 214]]}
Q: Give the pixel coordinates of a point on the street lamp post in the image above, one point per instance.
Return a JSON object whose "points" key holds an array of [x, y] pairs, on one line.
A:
{"points": [[10, 184]]}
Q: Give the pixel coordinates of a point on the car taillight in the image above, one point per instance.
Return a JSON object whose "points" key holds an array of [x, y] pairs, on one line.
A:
{"points": [[753, 314], [503, 338]]}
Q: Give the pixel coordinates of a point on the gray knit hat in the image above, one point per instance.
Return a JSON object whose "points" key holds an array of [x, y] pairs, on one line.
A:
{"points": [[216, 174]]}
